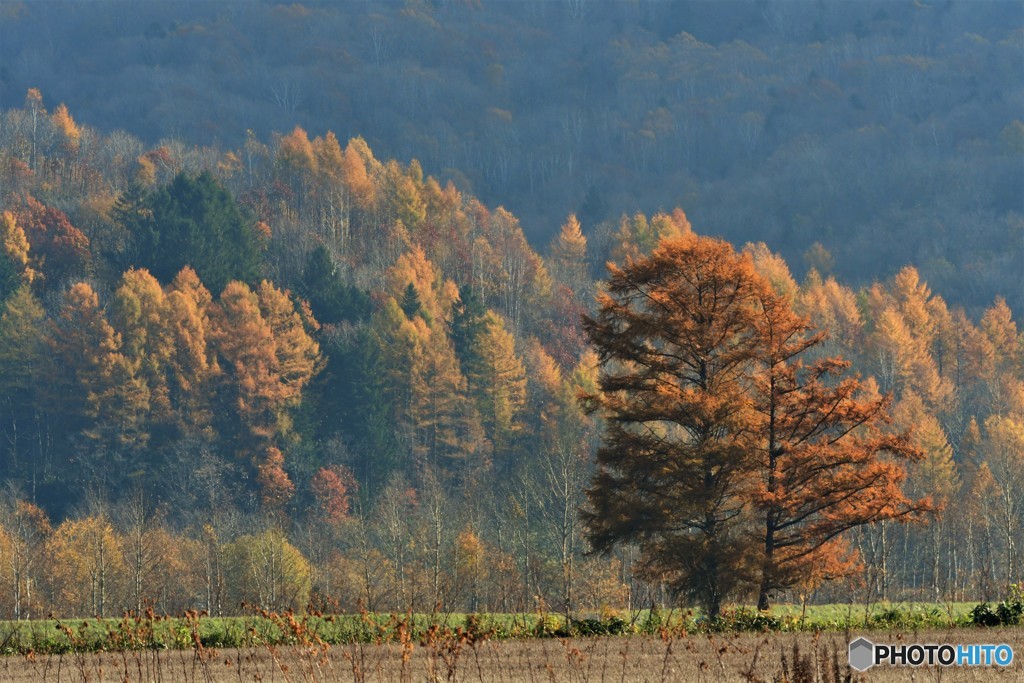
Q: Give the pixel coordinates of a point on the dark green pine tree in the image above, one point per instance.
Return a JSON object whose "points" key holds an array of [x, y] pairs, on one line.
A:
{"points": [[22, 325], [361, 405], [594, 208], [194, 222], [468, 324], [410, 303], [10, 278], [468, 321], [132, 213], [332, 300]]}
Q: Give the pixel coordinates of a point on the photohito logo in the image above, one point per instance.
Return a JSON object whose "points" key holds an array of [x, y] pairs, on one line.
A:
{"points": [[864, 654]]}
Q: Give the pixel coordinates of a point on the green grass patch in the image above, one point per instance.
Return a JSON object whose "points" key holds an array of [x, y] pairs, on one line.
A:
{"points": [[879, 615], [154, 632], [195, 631]]}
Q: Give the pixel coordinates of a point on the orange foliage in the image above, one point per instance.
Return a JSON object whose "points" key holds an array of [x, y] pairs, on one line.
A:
{"points": [[67, 127], [691, 444], [295, 153], [276, 489], [331, 487], [826, 459], [268, 357], [60, 249], [15, 247], [356, 173]]}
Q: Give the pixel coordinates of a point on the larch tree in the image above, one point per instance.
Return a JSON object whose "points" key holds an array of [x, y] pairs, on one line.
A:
{"points": [[333, 487], [296, 163], [935, 475], [276, 488], [431, 294], [244, 344], [357, 173], [1008, 350], [447, 427], [677, 337], [139, 313], [14, 256], [832, 307], [95, 385], [444, 425], [568, 258], [903, 338], [716, 426], [192, 365], [825, 457], [894, 350], [972, 364], [772, 268], [912, 296], [429, 397], [513, 274], [500, 386], [66, 127], [188, 283], [394, 346], [403, 200], [267, 358], [638, 236], [297, 353], [68, 138], [819, 259]]}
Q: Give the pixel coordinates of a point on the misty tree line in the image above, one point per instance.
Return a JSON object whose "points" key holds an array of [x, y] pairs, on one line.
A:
{"points": [[790, 123]]}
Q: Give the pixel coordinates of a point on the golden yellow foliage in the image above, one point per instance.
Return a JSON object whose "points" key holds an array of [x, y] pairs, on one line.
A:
{"points": [[66, 127], [267, 571], [87, 569], [15, 246], [295, 153]]}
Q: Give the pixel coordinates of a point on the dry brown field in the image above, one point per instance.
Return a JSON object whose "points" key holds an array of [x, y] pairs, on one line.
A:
{"points": [[746, 657]]}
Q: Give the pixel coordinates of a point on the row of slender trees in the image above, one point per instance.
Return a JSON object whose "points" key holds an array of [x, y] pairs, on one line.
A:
{"points": [[130, 557]]}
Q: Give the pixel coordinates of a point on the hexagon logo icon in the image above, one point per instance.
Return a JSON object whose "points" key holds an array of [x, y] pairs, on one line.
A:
{"points": [[862, 654]]}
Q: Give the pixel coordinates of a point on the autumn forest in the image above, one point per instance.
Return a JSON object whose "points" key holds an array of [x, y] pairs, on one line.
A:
{"points": [[246, 359]]}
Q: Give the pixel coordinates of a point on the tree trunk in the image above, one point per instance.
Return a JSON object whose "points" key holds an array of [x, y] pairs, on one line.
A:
{"points": [[766, 566]]}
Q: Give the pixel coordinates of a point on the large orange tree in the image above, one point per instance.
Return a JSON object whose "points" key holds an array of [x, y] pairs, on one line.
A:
{"points": [[677, 338], [825, 458], [726, 458]]}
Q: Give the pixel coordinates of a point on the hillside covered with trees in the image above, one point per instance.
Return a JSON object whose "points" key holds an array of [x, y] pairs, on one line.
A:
{"points": [[889, 132], [246, 358], [328, 376]]}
